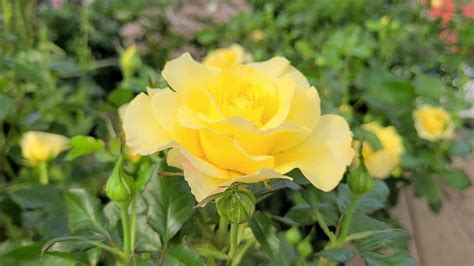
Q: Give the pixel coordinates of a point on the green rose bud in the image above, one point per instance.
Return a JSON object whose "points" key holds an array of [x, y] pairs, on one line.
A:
{"points": [[236, 205], [304, 248], [120, 187], [360, 181], [293, 236]]}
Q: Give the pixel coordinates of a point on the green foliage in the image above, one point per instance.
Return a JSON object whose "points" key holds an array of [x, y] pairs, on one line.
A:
{"points": [[337, 254], [84, 212], [82, 145], [61, 72], [170, 205], [179, 255], [266, 235]]}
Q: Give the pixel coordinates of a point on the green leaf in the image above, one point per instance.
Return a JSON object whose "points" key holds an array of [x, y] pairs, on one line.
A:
{"points": [[6, 105], [43, 209], [142, 261], [112, 215], [304, 48], [31, 255], [84, 212], [397, 259], [370, 202], [410, 161], [208, 250], [302, 214], [182, 256], [460, 147], [430, 87], [265, 234], [170, 204], [373, 140], [428, 188], [375, 199], [206, 36], [120, 96], [145, 171], [149, 240], [456, 179], [82, 145], [305, 214], [337, 254], [361, 222], [65, 68], [384, 239], [71, 243]]}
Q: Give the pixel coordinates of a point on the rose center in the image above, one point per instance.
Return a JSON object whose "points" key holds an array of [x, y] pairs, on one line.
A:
{"points": [[241, 93]]}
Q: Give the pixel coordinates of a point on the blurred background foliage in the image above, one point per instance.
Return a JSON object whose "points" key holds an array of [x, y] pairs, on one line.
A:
{"points": [[370, 60]]}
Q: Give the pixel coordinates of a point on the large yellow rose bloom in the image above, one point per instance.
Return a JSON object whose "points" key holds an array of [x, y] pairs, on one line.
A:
{"points": [[225, 57], [242, 123], [433, 123], [382, 162], [39, 146]]}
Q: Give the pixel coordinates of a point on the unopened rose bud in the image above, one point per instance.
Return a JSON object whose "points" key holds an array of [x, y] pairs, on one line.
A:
{"points": [[293, 236], [129, 61], [304, 248], [120, 187], [360, 181], [236, 205]]}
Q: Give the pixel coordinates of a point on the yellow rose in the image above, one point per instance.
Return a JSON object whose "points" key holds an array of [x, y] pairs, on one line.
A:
{"points": [[433, 123], [39, 146], [382, 162], [243, 123], [225, 57]]}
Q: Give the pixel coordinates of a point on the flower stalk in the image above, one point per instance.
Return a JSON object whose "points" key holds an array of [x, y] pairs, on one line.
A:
{"points": [[120, 188], [43, 173], [126, 226], [233, 242], [221, 232], [346, 222]]}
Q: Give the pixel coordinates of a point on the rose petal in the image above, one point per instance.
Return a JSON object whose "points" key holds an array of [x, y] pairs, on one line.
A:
{"points": [[143, 133], [324, 156]]}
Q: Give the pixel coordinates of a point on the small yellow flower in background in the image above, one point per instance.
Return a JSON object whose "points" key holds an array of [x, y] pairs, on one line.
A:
{"points": [[241, 123], [437, 3], [225, 57], [385, 20], [258, 35], [345, 108], [433, 123], [382, 162], [38, 147]]}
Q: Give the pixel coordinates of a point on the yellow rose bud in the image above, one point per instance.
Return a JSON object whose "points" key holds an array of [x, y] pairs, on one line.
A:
{"points": [[433, 123], [129, 61], [385, 20], [258, 35], [225, 57], [244, 123], [39, 146], [382, 162]]}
